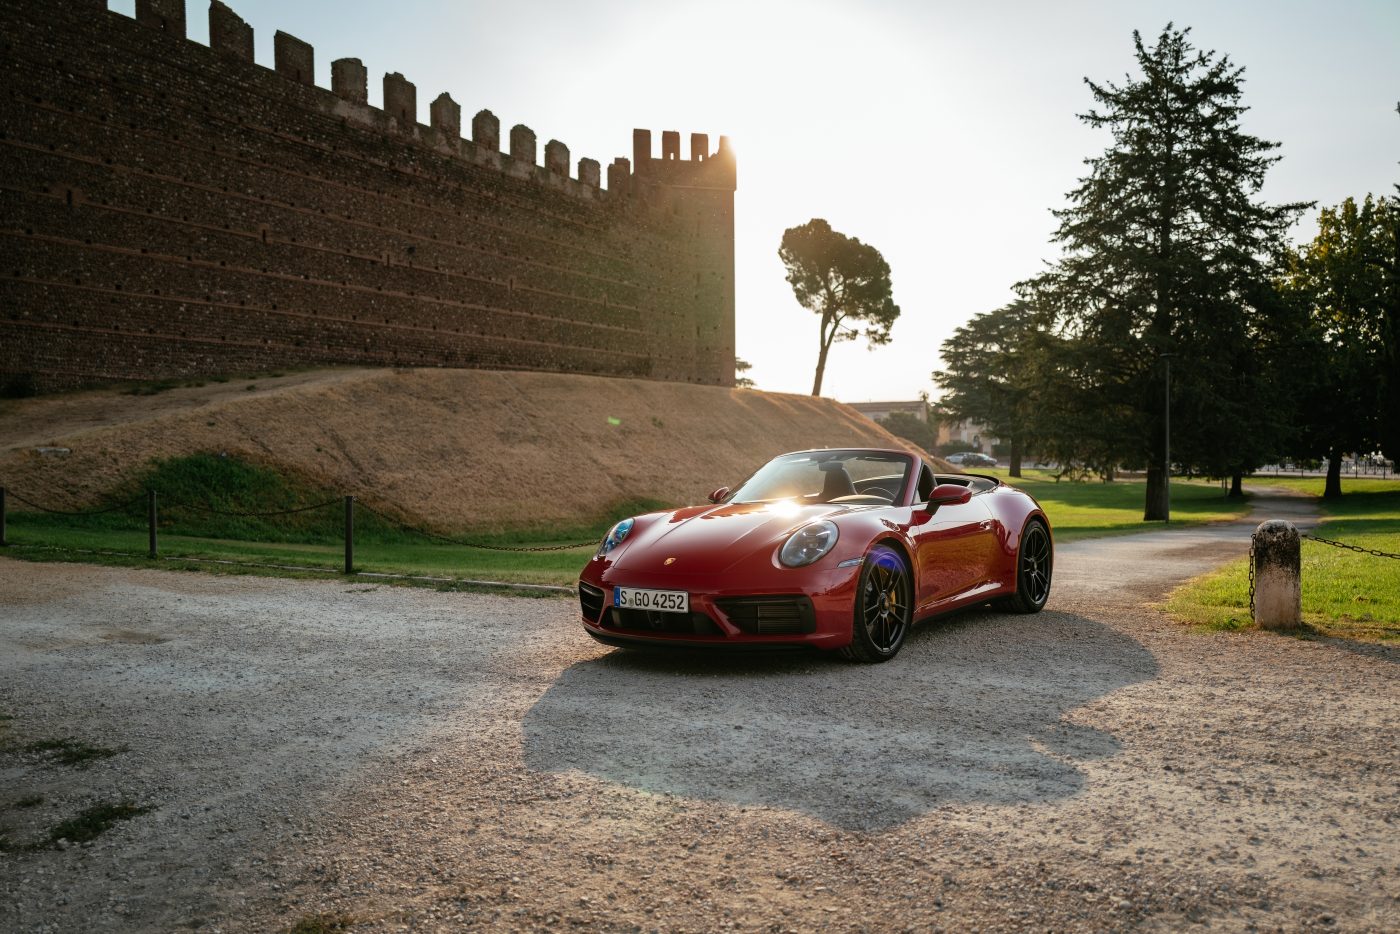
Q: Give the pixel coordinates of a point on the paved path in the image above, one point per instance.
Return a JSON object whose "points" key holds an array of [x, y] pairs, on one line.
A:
{"points": [[1143, 567]]}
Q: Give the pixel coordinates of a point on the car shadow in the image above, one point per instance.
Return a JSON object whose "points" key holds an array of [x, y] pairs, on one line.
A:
{"points": [[973, 710]]}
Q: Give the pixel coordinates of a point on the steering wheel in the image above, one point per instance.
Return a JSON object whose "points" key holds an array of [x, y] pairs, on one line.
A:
{"points": [[878, 491]]}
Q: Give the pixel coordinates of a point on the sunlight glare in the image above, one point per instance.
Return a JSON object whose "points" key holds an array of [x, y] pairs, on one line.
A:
{"points": [[784, 508]]}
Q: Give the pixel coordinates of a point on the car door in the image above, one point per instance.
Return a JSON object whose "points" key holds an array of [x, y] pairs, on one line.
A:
{"points": [[954, 545]]}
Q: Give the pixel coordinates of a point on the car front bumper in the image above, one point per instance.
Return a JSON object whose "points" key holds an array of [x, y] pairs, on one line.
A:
{"points": [[793, 607]]}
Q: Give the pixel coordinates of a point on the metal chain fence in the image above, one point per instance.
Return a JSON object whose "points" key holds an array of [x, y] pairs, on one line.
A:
{"points": [[76, 512], [1324, 541], [447, 540], [152, 502], [200, 507], [1251, 576], [1356, 548]]}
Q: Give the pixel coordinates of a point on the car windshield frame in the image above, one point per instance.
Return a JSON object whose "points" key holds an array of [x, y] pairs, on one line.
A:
{"points": [[908, 461]]}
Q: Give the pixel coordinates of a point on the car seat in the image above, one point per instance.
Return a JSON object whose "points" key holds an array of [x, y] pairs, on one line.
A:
{"points": [[838, 483]]}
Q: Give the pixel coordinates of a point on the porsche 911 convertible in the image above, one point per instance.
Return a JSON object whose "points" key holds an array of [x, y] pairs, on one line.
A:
{"points": [[834, 549]]}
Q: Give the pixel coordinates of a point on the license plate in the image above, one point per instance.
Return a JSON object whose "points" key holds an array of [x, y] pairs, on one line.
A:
{"points": [[662, 601]]}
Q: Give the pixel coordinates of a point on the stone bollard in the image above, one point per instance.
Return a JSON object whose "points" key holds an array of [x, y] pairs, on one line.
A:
{"points": [[1278, 591]]}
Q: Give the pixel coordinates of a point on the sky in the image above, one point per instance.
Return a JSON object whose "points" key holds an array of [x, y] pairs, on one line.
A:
{"points": [[942, 133]]}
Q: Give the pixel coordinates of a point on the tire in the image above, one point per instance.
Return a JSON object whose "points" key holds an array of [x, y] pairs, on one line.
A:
{"points": [[1035, 564], [884, 607]]}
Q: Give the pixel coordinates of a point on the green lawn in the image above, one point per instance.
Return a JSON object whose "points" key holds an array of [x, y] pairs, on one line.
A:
{"points": [[39, 541], [1345, 594], [1314, 485], [1088, 509], [312, 539]]}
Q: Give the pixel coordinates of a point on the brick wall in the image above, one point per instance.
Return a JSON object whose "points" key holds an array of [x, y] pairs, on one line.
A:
{"points": [[171, 210]]}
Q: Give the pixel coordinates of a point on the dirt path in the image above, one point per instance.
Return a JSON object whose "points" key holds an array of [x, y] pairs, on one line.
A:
{"points": [[1133, 569], [425, 761]]}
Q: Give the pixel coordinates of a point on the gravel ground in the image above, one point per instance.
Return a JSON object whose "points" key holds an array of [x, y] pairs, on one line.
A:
{"points": [[415, 760]]}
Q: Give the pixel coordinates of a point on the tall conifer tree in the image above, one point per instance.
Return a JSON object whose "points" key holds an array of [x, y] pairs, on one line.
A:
{"points": [[1166, 241]]}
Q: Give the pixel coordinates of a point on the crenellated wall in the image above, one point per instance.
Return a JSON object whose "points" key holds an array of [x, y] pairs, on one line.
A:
{"points": [[172, 210]]}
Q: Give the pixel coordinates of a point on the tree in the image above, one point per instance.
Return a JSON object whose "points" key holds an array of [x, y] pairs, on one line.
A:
{"points": [[1390, 406], [910, 427], [990, 373], [1345, 279], [844, 281], [742, 367], [1166, 243]]}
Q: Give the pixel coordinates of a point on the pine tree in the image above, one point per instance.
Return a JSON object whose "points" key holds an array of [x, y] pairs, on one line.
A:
{"points": [[1166, 242], [846, 282]]}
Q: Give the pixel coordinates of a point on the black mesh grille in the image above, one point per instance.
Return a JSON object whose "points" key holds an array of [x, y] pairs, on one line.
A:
{"points": [[690, 624], [769, 616], [590, 601]]}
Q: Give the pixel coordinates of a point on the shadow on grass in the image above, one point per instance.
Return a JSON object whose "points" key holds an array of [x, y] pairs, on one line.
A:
{"points": [[973, 710]]}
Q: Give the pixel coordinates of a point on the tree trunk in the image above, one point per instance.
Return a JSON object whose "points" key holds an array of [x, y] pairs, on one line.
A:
{"points": [[1015, 470], [1155, 508], [1333, 489], [1236, 486], [821, 369]]}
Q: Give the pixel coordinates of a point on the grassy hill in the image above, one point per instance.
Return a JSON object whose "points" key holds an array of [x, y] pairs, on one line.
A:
{"points": [[450, 450]]}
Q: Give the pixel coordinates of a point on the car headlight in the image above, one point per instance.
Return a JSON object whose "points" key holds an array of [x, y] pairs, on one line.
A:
{"points": [[808, 544], [615, 536]]}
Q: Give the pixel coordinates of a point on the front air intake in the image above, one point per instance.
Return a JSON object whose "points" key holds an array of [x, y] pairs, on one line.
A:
{"points": [[769, 616], [678, 624], [590, 601]]}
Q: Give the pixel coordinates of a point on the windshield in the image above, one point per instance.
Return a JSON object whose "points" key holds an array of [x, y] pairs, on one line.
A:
{"points": [[828, 477]]}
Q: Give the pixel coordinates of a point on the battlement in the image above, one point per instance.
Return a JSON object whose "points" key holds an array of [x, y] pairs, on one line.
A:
{"points": [[294, 59], [167, 16], [715, 170]]}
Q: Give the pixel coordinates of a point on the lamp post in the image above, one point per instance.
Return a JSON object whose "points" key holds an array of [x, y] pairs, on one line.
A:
{"points": [[1167, 456]]}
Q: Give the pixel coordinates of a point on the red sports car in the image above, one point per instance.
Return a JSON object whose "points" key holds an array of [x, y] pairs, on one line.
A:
{"points": [[834, 549]]}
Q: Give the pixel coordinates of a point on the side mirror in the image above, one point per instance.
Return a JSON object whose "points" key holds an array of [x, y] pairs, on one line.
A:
{"points": [[719, 494], [949, 494]]}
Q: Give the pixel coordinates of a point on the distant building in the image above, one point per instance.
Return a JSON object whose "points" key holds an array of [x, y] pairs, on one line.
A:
{"points": [[973, 433], [875, 411]]}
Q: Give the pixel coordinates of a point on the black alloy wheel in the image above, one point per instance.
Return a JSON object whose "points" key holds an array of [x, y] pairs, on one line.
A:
{"points": [[1035, 562], [884, 607]]}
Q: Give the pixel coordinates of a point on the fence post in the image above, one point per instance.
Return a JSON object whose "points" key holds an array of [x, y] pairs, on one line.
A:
{"points": [[349, 535], [3, 540], [1278, 590], [151, 520]]}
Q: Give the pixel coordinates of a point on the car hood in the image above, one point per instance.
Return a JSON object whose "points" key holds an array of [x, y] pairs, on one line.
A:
{"points": [[710, 539]]}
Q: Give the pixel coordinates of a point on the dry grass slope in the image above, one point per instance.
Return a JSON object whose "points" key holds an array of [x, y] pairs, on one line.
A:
{"points": [[452, 449]]}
